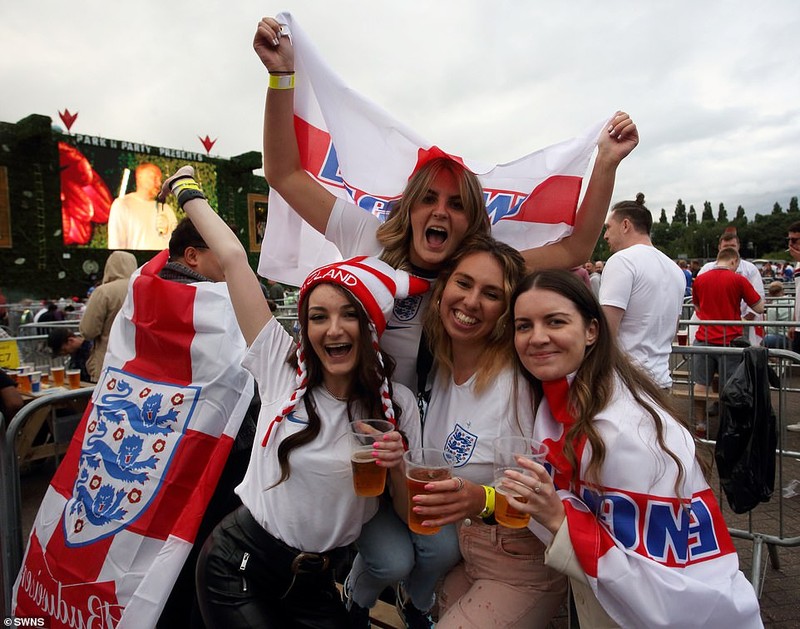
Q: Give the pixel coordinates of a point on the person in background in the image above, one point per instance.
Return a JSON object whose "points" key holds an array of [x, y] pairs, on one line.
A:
{"points": [[778, 308], [684, 266], [642, 290], [63, 342], [275, 291], [136, 220], [793, 242], [103, 306], [631, 543], [716, 296], [10, 399], [694, 267], [596, 277], [749, 271]]}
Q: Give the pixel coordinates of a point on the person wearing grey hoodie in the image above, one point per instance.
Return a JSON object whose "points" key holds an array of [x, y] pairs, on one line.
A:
{"points": [[103, 306]]}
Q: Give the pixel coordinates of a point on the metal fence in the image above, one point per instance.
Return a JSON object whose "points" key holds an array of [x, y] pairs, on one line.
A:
{"points": [[786, 401]]}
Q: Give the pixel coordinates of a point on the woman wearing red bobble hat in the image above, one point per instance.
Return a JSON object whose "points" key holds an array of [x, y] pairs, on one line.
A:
{"points": [[270, 563]]}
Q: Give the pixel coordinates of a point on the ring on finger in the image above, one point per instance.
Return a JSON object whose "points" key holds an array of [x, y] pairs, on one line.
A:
{"points": [[460, 482]]}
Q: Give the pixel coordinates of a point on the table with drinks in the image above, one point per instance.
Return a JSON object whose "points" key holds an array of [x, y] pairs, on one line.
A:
{"points": [[34, 382]]}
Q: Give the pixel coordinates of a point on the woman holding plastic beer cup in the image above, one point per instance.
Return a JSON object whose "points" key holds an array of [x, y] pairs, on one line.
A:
{"points": [[270, 563], [476, 397], [623, 504]]}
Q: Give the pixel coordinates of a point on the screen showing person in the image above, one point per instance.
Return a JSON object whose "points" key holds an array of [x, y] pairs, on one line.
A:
{"points": [[107, 192]]}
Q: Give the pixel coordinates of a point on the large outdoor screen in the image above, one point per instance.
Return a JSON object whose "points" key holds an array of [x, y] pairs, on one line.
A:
{"points": [[109, 187]]}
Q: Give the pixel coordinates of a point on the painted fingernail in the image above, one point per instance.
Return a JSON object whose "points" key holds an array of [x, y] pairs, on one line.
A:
{"points": [[276, 41]]}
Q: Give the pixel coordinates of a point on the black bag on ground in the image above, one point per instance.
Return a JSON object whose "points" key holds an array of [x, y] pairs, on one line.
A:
{"points": [[745, 450]]}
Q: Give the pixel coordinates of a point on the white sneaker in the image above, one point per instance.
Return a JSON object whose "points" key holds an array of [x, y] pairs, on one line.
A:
{"points": [[794, 427]]}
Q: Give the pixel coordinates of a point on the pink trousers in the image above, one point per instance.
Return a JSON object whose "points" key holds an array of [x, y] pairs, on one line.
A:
{"points": [[502, 581]]}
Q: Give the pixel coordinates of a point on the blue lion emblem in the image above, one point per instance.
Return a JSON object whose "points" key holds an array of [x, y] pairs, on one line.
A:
{"points": [[406, 309], [460, 444], [101, 509], [123, 465], [115, 407]]}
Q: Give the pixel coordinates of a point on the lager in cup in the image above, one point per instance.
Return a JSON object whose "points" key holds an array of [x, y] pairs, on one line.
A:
{"points": [[424, 465], [74, 378], [369, 478], [504, 513], [58, 376]]}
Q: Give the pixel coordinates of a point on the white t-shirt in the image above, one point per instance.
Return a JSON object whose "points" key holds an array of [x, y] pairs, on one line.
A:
{"points": [[649, 287], [315, 509], [466, 425], [353, 230], [134, 223], [751, 272]]}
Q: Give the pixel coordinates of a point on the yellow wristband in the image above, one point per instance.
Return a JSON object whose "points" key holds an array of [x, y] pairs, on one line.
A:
{"points": [[281, 81], [488, 508]]}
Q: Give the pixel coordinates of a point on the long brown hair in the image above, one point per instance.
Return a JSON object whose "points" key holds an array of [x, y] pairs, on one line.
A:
{"points": [[499, 349], [364, 396], [593, 387], [395, 234]]}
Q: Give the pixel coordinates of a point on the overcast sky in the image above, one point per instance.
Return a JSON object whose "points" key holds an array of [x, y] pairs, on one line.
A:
{"points": [[714, 86]]}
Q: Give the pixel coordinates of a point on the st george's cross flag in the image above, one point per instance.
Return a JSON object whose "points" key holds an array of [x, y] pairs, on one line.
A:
{"points": [[122, 511], [362, 154]]}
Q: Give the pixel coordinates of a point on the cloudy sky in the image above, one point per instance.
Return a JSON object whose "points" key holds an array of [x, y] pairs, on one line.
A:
{"points": [[714, 86]]}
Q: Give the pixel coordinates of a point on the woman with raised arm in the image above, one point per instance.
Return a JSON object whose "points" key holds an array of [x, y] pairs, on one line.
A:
{"points": [[270, 563], [441, 206], [623, 504]]}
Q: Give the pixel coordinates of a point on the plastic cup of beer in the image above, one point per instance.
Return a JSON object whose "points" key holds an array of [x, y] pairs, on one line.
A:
{"points": [[58, 376], [45, 376], [506, 452], [683, 336], [369, 478], [24, 382], [36, 381], [13, 374], [423, 466], [74, 378]]}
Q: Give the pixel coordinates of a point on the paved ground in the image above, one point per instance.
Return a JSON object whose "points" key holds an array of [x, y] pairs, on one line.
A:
{"points": [[780, 588]]}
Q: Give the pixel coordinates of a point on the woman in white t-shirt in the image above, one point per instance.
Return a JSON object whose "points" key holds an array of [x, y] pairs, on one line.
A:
{"points": [[270, 563], [442, 204], [477, 397]]}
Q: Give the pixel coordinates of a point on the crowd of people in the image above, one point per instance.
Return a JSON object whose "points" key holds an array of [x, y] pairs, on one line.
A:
{"points": [[501, 342]]}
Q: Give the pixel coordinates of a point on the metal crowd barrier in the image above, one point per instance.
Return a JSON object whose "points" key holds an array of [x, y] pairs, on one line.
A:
{"points": [[784, 363], [11, 541]]}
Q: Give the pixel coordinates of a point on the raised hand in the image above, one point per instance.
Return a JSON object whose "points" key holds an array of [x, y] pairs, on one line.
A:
{"points": [[273, 46], [619, 138]]}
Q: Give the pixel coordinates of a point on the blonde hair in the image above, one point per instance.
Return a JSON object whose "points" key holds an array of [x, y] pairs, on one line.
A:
{"points": [[499, 349], [395, 234]]}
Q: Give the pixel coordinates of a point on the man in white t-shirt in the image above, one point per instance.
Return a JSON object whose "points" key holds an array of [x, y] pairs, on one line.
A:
{"points": [[137, 221], [753, 275], [642, 290]]}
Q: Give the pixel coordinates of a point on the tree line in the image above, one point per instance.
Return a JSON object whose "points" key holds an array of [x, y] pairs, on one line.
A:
{"points": [[687, 235]]}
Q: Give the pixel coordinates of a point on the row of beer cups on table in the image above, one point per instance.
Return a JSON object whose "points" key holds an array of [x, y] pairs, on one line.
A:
{"points": [[425, 465], [31, 379]]}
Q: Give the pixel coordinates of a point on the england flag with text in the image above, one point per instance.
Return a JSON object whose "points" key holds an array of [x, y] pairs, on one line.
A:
{"points": [[122, 510], [360, 153]]}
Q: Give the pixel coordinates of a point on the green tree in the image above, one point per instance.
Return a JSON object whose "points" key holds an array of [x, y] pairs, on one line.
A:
{"points": [[793, 209], [741, 217], [722, 215], [777, 209], [679, 216], [691, 219], [708, 214], [663, 218]]}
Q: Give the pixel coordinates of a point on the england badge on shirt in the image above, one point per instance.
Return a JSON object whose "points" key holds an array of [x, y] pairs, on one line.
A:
{"points": [[460, 444]]}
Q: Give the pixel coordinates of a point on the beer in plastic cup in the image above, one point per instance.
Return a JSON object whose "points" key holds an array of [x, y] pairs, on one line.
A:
{"points": [[13, 374], [424, 465], [683, 337], [45, 377], [504, 513], [36, 381], [24, 382], [58, 376], [74, 378], [369, 478], [506, 452]]}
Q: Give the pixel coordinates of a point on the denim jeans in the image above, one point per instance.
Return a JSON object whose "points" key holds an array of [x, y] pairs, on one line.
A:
{"points": [[389, 553]]}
